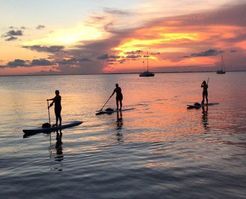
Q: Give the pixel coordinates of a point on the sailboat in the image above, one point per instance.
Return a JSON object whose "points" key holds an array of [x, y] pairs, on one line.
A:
{"points": [[222, 69], [147, 73]]}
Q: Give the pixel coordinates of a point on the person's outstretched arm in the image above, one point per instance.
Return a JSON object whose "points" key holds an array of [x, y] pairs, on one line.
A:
{"points": [[112, 93], [52, 99]]}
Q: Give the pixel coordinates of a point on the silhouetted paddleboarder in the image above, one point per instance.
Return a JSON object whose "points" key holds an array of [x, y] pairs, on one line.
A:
{"points": [[58, 108], [204, 92], [119, 96]]}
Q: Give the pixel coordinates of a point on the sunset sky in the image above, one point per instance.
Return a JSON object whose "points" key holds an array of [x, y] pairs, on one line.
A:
{"points": [[84, 37]]}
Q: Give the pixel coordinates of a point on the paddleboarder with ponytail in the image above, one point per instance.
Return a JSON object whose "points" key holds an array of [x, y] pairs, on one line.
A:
{"points": [[205, 91]]}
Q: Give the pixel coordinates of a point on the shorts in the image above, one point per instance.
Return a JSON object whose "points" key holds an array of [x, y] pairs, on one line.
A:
{"points": [[119, 98], [58, 111]]}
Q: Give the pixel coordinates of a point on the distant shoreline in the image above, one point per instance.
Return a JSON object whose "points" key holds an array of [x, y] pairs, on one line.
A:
{"points": [[119, 73]]}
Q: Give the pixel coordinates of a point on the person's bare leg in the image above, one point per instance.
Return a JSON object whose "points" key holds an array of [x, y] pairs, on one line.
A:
{"points": [[202, 98], [60, 119], [56, 120]]}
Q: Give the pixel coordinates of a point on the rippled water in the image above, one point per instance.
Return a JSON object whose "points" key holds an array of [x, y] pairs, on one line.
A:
{"points": [[159, 150]]}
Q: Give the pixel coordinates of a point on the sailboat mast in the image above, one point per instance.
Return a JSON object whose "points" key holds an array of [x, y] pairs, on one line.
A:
{"points": [[222, 63], [222, 66]]}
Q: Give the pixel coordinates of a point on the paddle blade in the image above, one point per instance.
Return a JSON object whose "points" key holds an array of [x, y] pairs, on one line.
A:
{"points": [[99, 113]]}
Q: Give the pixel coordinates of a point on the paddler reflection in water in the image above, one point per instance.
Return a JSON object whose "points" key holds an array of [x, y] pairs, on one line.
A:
{"points": [[119, 120], [59, 153], [119, 96], [58, 108], [205, 117]]}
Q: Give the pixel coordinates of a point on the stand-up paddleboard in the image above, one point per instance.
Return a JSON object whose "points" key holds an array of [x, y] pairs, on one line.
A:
{"points": [[51, 129], [198, 105], [110, 111]]}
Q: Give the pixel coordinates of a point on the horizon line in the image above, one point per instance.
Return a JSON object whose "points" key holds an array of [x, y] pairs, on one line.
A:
{"points": [[118, 73]]}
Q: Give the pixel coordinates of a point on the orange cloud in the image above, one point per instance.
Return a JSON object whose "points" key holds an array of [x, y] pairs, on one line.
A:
{"points": [[174, 42], [241, 45]]}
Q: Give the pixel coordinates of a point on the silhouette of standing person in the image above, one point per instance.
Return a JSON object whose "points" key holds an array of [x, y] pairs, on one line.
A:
{"points": [[119, 96], [58, 108], [204, 92]]}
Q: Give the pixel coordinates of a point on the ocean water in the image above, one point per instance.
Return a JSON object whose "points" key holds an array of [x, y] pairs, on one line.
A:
{"points": [[158, 150]]}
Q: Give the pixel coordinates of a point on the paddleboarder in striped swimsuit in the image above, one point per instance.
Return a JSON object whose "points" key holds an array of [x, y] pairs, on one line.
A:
{"points": [[119, 96], [58, 108]]}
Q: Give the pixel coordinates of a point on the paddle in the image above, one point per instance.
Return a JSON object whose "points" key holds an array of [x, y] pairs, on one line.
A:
{"points": [[48, 110], [47, 125], [104, 104]]}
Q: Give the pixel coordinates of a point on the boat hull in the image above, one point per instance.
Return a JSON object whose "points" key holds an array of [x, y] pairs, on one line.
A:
{"points": [[146, 74]]}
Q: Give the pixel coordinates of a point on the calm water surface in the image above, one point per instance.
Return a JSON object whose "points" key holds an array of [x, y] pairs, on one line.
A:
{"points": [[159, 150]]}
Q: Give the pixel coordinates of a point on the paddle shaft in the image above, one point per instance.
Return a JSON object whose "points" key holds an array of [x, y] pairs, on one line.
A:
{"points": [[106, 102], [48, 111]]}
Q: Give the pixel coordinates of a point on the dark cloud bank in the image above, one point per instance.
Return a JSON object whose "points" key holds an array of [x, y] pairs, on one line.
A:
{"points": [[48, 49], [12, 35], [28, 63], [207, 53]]}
